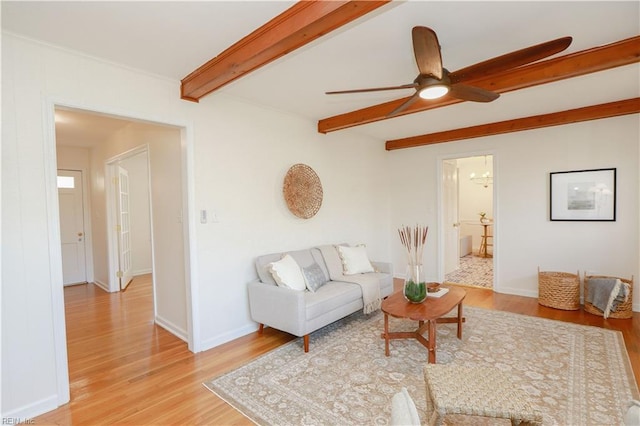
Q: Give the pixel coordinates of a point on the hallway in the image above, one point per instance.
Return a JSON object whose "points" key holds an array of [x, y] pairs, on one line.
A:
{"points": [[474, 270]]}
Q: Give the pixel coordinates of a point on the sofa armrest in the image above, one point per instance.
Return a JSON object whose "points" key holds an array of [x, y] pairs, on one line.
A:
{"points": [[385, 267], [278, 307]]}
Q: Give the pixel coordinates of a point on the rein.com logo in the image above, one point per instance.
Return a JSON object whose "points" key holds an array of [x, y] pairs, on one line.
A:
{"points": [[17, 421]]}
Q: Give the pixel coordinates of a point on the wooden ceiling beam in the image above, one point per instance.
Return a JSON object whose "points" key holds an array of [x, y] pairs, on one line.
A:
{"points": [[595, 112], [302, 23], [599, 58]]}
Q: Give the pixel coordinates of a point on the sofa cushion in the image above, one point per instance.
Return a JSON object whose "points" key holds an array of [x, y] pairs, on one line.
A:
{"points": [[262, 267], [287, 273], [332, 295], [314, 277], [308, 257], [354, 260], [332, 260], [303, 258]]}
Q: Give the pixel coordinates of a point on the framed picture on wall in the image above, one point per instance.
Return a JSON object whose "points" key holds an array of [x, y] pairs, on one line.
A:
{"points": [[583, 195]]}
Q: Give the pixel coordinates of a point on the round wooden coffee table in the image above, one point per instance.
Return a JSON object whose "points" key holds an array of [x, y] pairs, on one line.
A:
{"points": [[427, 313]]}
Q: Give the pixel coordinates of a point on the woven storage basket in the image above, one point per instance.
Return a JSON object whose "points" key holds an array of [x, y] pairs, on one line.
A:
{"points": [[623, 310], [560, 290]]}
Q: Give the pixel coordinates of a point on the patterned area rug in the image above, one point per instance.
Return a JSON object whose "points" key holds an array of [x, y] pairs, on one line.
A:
{"points": [[473, 270], [573, 374]]}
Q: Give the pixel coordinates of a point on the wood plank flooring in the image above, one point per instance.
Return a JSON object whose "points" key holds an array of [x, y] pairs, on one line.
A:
{"points": [[126, 370]]}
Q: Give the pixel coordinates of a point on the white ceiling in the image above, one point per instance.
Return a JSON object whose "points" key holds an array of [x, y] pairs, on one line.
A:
{"points": [[171, 39], [79, 129]]}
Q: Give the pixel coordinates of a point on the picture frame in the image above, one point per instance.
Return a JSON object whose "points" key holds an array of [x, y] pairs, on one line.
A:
{"points": [[583, 195]]}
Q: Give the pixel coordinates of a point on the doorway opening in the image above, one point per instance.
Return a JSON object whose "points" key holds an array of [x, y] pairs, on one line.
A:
{"points": [[469, 220], [91, 141]]}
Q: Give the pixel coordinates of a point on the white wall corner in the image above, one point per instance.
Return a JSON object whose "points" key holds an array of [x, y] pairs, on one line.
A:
{"points": [[26, 414], [227, 337], [102, 285], [179, 332]]}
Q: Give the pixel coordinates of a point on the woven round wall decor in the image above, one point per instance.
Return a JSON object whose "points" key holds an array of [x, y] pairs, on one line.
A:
{"points": [[302, 191]]}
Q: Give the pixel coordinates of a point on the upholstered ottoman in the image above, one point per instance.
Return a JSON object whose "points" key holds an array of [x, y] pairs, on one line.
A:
{"points": [[475, 391]]}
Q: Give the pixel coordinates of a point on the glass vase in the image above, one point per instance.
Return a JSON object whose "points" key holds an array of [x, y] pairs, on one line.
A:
{"points": [[415, 288]]}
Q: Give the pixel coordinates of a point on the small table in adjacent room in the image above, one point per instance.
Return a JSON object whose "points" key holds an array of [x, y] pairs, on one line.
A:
{"points": [[428, 314], [484, 240]]}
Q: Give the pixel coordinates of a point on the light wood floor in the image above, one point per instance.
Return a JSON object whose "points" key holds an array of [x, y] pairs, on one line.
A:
{"points": [[126, 370]]}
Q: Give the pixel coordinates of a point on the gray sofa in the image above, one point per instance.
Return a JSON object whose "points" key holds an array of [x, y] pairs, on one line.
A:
{"points": [[303, 312]]}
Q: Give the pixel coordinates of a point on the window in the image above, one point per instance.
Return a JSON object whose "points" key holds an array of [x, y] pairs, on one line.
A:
{"points": [[66, 182]]}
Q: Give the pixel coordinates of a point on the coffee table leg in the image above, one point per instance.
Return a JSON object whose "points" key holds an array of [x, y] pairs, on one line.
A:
{"points": [[386, 334], [460, 320], [432, 342]]}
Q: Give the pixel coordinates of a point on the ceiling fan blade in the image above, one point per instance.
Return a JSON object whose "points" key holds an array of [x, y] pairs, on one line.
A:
{"points": [[404, 105], [427, 51], [470, 93], [511, 60], [374, 89]]}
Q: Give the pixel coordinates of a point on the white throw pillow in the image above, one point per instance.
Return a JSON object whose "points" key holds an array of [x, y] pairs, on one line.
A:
{"points": [[403, 410], [354, 260], [287, 273]]}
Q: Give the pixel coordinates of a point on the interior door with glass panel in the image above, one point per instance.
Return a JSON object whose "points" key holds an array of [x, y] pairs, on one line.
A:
{"points": [[451, 219], [125, 272], [72, 232]]}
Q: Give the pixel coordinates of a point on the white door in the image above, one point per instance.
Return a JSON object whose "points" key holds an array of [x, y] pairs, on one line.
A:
{"points": [[74, 267], [451, 223], [125, 271]]}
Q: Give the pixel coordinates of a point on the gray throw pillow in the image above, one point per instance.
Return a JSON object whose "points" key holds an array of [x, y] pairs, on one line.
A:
{"points": [[314, 277]]}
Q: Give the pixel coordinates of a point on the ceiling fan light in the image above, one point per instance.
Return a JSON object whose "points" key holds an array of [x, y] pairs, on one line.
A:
{"points": [[434, 92]]}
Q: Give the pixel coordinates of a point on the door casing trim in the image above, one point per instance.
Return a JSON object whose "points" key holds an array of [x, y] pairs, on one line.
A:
{"points": [[53, 226], [496, 212]]}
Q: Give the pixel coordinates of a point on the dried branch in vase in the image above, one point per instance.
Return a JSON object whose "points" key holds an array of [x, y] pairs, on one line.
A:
{"points": [[414, 240]]}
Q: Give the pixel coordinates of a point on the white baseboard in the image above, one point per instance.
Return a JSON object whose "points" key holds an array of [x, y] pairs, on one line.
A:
{"points": [[534, 293], [518, 292], [172, 328], [227, 337], [142, 272], [102, 285], [26, 414]]}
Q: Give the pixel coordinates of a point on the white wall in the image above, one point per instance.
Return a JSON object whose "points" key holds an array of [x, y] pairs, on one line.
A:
{"points": [[237, 155], [526, 238], [246, 196], [474, 198]]}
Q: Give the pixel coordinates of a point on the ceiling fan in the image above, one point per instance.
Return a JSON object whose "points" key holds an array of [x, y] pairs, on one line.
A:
{"points": [[434, 81]]}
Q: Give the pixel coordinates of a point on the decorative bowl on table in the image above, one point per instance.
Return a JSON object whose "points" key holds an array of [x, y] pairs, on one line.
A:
{"points": [[433, 287]]}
